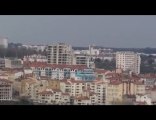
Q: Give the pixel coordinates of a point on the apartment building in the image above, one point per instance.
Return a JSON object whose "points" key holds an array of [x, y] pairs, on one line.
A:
{"points": [[101, 74], [2, 63], [128, 61], [134, 88], [100, 88], [10, 63], [114, 92], [60, 53], [59, 72], [144, 98], [54, 84], [30, 87], [53, 96], [13, 63], [83, 59], [82, 100], [5, 90], [93, 92]]}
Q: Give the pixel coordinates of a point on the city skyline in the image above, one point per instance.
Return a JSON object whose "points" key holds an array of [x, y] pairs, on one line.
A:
{"points": [[77, 30]]}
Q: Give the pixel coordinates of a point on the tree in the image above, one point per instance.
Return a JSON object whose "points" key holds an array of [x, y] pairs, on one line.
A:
{"points": [[105, 64]]}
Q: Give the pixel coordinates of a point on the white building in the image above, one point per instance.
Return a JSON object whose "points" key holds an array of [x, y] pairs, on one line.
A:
{"points": [[35, 47], [13, 63], [60, 53], [3, 42], [35, 58], [93, 51], [128, 61], [144, 98], [5, 90]]}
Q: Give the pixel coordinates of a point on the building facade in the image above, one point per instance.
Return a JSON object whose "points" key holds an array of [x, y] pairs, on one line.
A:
{"points": [[60, 53], [128, 61], [5, 90]]}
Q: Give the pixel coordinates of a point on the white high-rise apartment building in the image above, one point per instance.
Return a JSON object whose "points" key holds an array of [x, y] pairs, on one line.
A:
{"points": [[128, 60], [60, 53]]}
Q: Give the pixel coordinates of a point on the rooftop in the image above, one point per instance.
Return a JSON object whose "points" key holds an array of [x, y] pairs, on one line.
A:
{"points": [[54, 66]]}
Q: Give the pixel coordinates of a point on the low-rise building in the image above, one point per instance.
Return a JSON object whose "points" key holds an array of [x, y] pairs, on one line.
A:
{"points": [[13, 63], [144, 98], [53, 96], [82, 100]]}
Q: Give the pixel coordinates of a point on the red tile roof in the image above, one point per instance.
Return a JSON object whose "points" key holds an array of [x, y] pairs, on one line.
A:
{"points": [[82, 98], [139, 82], [77, 81], [92, 93], [6, 81], [56, 90], [115, 82], [101, 71], [65, 94], [46, 93]]}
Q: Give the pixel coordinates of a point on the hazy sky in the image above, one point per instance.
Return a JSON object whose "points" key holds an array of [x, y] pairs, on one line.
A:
{"points": [[81, 30]]}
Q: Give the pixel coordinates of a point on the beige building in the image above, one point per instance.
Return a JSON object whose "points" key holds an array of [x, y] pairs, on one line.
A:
{"points": [[53, 96], [5, 90], [30, 87], [60, 53], [101, 74], [54, 84], [82, 100], [128, 61], [114, 92], [83, 59], [133, 88]]}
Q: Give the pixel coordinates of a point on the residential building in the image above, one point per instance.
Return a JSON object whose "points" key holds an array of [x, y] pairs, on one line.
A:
{"points": [[144, 98], [54, 84], [153, 94], [82, 100], [2, 63], [128, 61], [60, 53], [114, 92], [53, 96], [134, 88], [60, 72], [101, 74], [5, 90], [30, 87], [13, 63], [84, 92], [83, 59]]}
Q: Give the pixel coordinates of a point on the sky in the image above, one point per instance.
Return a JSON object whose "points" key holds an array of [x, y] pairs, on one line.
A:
{"points": [[126, 31]]}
